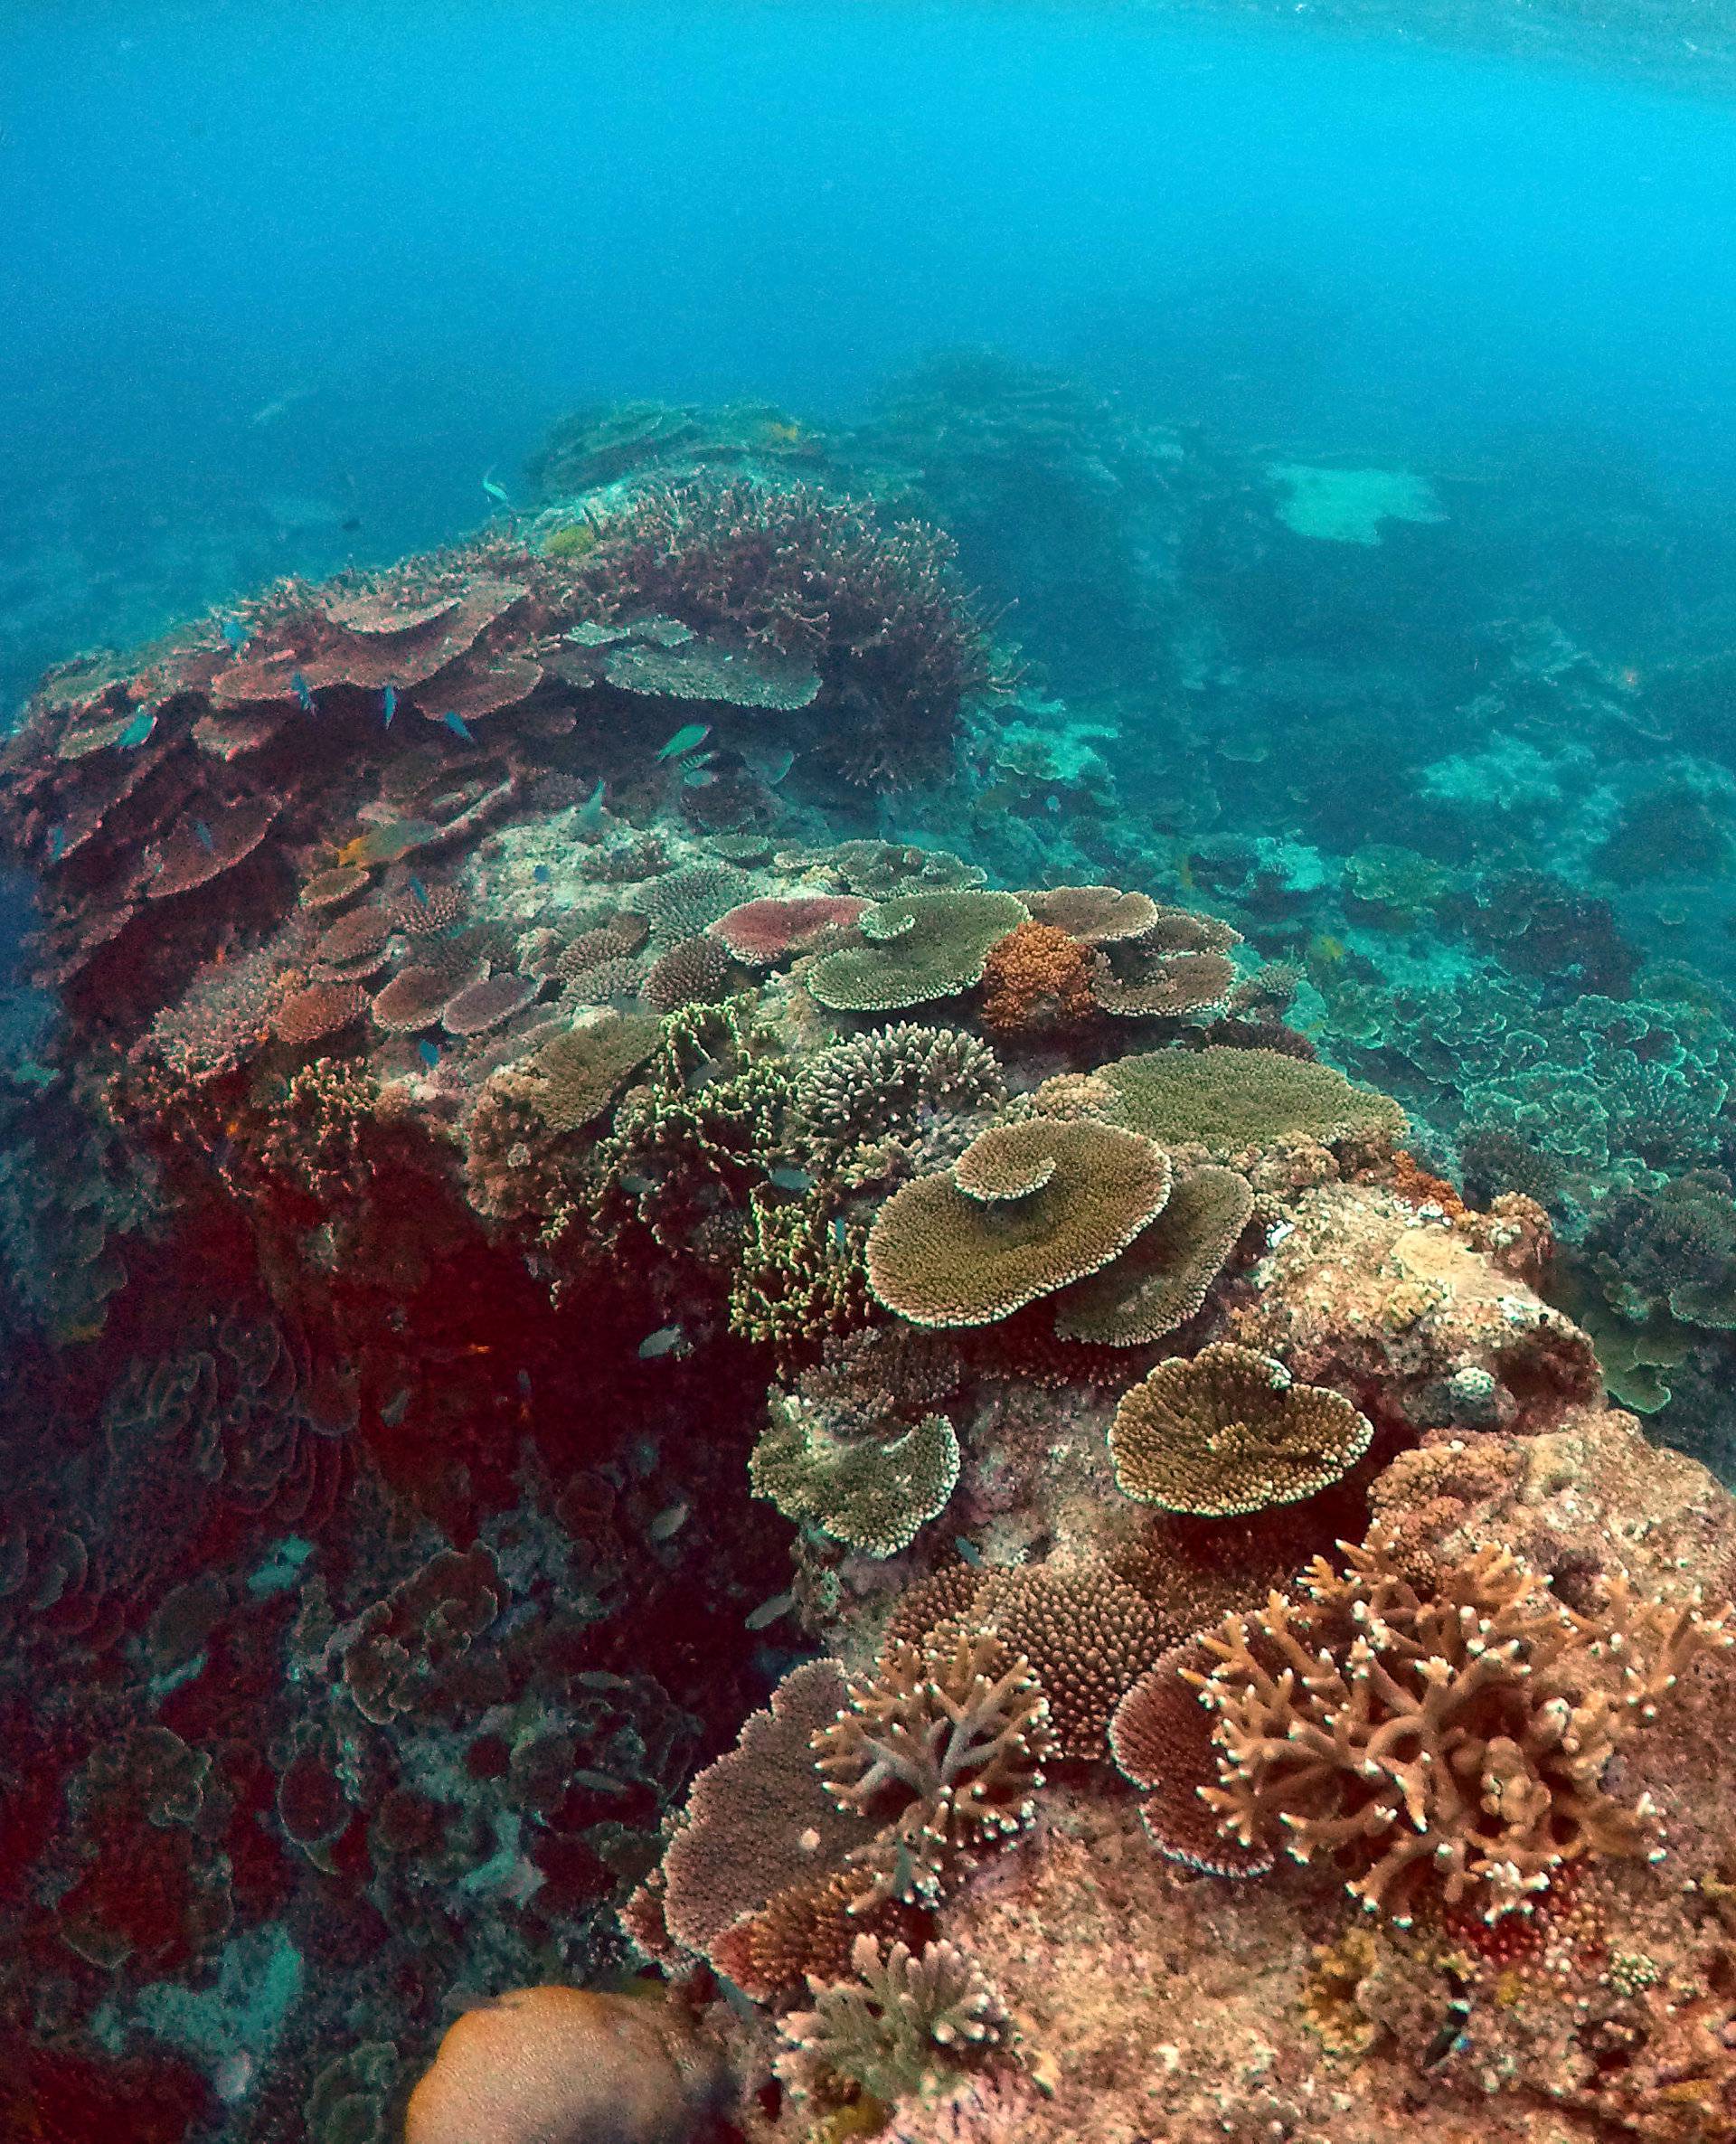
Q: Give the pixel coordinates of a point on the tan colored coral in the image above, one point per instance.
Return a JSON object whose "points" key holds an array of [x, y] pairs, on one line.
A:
{"points": [[566, 2066], [1029, 1207], [1036, 978], [1452, 1739], [1230, 1432]]}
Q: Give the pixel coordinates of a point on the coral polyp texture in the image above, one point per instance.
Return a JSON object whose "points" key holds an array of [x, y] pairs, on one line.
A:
{"points": [[822, 1484]]}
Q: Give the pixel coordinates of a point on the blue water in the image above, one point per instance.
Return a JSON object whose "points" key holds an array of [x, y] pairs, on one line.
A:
{"points": [[424, 232]]}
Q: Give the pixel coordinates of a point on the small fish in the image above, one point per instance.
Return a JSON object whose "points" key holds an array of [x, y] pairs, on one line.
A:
{"points": [[389, 706], [698, 777], [685, 739], [203, 834], [1051, 804], [395, 1408], [523, 1384], [772, 771], [455, 722], [235, 633], [790, 1179], [137, 729], [418, 890], [430, 1054], [588, 816], [56, 844], [840, 1233], [668, 1523], [494, 491], [600, 1678], [662, 1341], [303, 690], [968, 1549], [599, 1782], [770, 1612], [541, 874]]}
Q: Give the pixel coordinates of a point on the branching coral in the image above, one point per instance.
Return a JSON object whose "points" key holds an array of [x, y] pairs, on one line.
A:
{"points": [[901, 1085], [1035, 979], [901, 2025], [1454, 1737], [942, 1746], [1027, 1208], [1230, 1432]]}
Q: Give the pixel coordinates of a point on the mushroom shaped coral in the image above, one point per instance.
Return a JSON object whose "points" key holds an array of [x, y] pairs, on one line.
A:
{"points": [[922, 947], [1027, 1208], [1094, 915], [1163, 1275], [1228, 1432], [873, 1493], [567, 2065], [1228, 1100]]}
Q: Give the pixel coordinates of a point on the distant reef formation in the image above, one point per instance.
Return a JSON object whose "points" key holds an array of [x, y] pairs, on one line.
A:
{"points": [[697, 1466]]}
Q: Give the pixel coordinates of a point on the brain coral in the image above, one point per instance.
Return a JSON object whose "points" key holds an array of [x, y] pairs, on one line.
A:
{"points": [[1228, 1432], [1161, 1277], [1228, 1098], [922, 946], [1028, 1208], [567, 2065], [1455, 1736]]}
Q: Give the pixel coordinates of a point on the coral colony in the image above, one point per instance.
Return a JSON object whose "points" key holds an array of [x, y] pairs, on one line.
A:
{"points": [[684, 1469]]}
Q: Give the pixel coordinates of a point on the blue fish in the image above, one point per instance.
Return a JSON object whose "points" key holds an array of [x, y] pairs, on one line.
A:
{"points": [[455, 722], [840, 1235], [202, 832], [56, 844], [688, 738], [137, 729], [968, 1549], [430, 1054], [769, 1611], [235, 633], [789, 1179], [389, 702], [303, 690], [418, 889], [541, 874], [494, 491]]}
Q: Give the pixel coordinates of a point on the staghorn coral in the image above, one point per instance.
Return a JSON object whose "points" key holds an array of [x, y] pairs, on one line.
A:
{"points": [[1229, 1100], [1452, 1736], [1087, 1635], [922, 947], [1028, 1209], [899, 2027], [941, 1747], [1230, 1432], [1164, 1275], [1035, 979], [870, 1492]]}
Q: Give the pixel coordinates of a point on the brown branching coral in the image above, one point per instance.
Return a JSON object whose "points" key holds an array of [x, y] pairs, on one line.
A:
{"points": [[895, 2027], [1036, 979], [1230, 1432], [1452, 1739], [943, 1745], [900, 1085], [1027, 1208]]}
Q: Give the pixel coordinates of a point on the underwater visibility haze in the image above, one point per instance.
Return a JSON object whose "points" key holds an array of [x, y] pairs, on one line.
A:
{"points": [[867, 1139]]}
